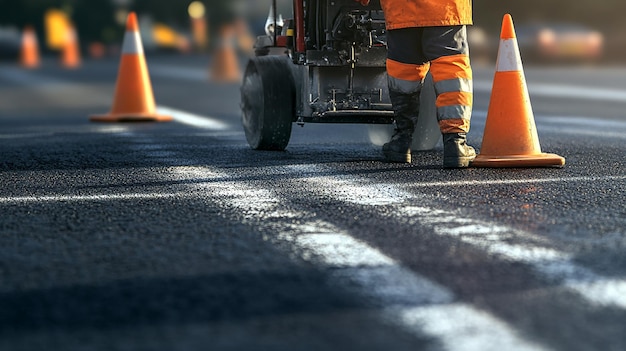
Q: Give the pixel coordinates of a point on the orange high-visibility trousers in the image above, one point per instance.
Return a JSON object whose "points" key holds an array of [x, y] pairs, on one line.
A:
{"points": [[413, 52]]}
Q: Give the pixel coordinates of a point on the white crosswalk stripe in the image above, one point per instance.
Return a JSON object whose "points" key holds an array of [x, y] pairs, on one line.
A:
{"points": [[409, 300], [490, 237]]}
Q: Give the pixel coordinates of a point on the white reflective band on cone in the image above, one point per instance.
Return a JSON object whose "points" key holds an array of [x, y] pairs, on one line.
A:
{"points": [[132, 43], [509, 59]]}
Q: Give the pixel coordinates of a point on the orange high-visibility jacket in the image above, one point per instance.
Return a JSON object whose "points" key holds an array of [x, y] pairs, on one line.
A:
{"points": [[426, 13]]}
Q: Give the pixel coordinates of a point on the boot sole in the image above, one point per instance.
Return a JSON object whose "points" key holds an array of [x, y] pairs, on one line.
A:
{"points": [[397, 157], [462, 162]]}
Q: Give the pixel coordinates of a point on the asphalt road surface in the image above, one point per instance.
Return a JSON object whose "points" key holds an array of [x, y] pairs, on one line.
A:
{"points": [[178, 236]]}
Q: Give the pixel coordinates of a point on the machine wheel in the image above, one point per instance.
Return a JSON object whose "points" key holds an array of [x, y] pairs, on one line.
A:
{"points": [[268, 102]]}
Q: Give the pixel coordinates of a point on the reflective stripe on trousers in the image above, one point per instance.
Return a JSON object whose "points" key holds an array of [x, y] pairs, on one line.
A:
{"points": [[443, 51]]}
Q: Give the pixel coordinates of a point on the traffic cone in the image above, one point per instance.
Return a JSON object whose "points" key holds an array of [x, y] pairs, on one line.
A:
{"points": [[245, 40], [134, 99], [225, 66], [70, 53], [29, 55], [510, 138]]}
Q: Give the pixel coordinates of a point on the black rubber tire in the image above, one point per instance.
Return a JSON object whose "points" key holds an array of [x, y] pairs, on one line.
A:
{"points": [[268, 102]]}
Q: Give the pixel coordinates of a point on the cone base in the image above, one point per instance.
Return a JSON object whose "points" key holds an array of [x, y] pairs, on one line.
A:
{"points": [[538, 160], [129, 117]]}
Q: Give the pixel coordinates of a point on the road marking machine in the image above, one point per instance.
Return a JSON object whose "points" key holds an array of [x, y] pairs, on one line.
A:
{"points": [[325, 64]]}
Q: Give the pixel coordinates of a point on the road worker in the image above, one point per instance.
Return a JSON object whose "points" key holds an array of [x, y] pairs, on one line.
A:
{"points": [[423, 36]]}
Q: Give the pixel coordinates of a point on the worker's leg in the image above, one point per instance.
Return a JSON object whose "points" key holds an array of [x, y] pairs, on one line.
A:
{"points": [[447, 50], [406, 69]]}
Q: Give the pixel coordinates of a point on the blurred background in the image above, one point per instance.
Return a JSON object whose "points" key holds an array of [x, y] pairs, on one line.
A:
{"points": [[586, 31], [166, 25]]}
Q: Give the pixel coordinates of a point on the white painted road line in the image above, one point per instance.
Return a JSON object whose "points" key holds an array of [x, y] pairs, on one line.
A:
{"points": [[376, 276], [87, 198], [193, 119], [407, 299], [552, 264], [489, 237], [463, 327], [469, 183]]}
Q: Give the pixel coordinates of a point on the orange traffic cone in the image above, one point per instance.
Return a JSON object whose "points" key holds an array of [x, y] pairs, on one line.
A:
{"points": [[70, 53], [29, 56], [225, 66], [134, 99], [245, 40], [510, 138]]}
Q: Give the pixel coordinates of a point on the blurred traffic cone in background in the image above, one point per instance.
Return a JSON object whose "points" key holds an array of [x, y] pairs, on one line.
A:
{"points": [[70, 53], [225, 65], [29, 55], [134, 99], [510, 138], [245, 39]]}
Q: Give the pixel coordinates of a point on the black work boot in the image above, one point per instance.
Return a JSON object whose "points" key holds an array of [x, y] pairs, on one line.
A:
{"points": [[399, 148], [406, 108], [456, 152]]}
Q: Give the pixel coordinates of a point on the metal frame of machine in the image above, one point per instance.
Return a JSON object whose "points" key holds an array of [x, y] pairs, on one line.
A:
{"points": [[326, 64]]}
